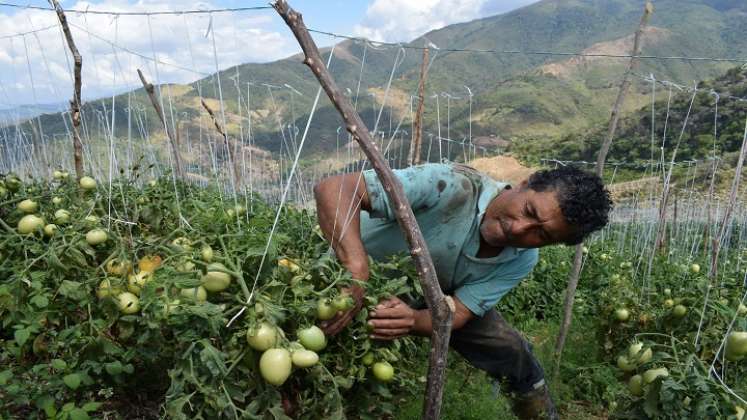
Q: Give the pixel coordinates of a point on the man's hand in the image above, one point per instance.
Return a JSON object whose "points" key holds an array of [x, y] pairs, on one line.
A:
{"points": [[342, 319], [392, 319]]}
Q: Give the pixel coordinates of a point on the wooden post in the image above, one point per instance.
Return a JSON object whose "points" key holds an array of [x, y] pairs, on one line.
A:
{"points": [[441, 308], [75, 103], [231, 152], [601, 158], [417, 130], [150, 90]]}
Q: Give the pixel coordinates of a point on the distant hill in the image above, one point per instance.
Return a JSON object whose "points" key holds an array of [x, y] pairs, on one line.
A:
{"points": [[526, 98], [633, 141]]}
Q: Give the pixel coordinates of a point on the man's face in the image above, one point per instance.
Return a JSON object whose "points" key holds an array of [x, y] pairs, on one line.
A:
{"points": [[524, 218]]}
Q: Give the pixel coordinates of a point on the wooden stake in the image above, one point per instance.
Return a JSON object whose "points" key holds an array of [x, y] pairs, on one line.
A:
{"points": [[150, 90], [231, 152], [75, 103], [441, 311], [601, 158], [417, 131]]}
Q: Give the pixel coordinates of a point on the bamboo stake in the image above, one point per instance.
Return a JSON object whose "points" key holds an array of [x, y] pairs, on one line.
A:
{"points": [[601, 158], [441, 309], [75, 103], [150, 90]]}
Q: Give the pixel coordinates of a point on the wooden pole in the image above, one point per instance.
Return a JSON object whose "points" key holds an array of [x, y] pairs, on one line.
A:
{"points": [[150, 90], [601, 158], [440, 308], [75, 103], [417, 131], [231, 151]]}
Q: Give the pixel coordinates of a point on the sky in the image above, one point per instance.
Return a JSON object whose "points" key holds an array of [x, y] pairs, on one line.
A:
{"points": [[35, 68]]}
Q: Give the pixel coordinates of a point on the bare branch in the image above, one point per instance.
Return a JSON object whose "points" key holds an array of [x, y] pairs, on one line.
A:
{"points": [[570, 292], [75, 103], [151, 91], [231, 150]]}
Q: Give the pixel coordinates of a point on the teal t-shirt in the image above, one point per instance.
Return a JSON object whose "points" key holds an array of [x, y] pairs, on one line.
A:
{"points": [[448, 201]]}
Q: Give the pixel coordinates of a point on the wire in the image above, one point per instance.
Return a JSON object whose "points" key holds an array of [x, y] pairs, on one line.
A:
{"points": [[557, 53], [112, 13], [22, 34]]}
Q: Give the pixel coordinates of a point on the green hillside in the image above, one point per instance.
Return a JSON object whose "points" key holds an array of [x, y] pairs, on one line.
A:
{"points": [[521, 97]]}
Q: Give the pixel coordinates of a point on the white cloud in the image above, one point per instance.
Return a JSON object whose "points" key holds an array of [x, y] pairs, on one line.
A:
{"points": [[405, 20], [179, 43]]}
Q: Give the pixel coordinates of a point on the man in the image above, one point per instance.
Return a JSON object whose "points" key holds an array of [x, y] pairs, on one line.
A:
{"points": [[483, 238]]}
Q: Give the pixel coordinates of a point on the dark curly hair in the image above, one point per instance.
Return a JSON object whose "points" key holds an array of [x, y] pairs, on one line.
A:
{"points": [[583, 198]]}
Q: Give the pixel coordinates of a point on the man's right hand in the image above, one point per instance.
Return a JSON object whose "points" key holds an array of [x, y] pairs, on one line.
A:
{"points": [[342, 319]]}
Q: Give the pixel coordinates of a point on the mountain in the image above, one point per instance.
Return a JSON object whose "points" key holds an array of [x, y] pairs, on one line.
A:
{"points": [[710, 131], [524, 98]]}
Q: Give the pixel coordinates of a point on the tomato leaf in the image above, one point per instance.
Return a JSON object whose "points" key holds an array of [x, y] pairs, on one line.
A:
{"points": [[78, 414], [5, 376], [21, 336], [91, 406], [72, 290], [46, 403], [40, 301], [59, 364], [72, 380], [113, 368]]}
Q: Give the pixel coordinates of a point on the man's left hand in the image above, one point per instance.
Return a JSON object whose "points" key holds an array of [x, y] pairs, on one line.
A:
{"points": [[391, 319]]}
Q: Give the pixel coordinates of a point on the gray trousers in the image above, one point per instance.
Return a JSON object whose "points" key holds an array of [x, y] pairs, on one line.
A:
{"points": [[489, 343]]}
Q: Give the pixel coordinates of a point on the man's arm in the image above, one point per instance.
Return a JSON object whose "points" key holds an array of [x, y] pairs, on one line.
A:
{"points": [[339, 200], [393, 318]]}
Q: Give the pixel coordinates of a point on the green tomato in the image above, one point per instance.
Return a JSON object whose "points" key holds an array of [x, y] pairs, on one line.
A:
{"points": [[736, 346], [368, 359], [325, 310], [106, 289], [196, 294], [695, 268], [30, 224], [87, 183], [117, 267], [634, 349], [679, 311], [304, 358], [646, 356], [635, 385], [383, 371], [742, 310], [668, 303], [136, 282], [128, 303], [214, 280], [96, 237], [312, 338], [50, 230], [206, 253], [182, 244], [652, 374], [343, 302], [275, 366], [28, 206], [622, 314], [262, 338], [62, 216], [625, 365]]}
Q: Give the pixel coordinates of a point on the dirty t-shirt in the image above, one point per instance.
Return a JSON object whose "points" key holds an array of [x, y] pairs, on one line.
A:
{"points": [[449, 201]]}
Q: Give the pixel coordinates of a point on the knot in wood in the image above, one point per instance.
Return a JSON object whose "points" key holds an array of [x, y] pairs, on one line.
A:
{"points": [[352, 129], [450, 302], [309, 61]]}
